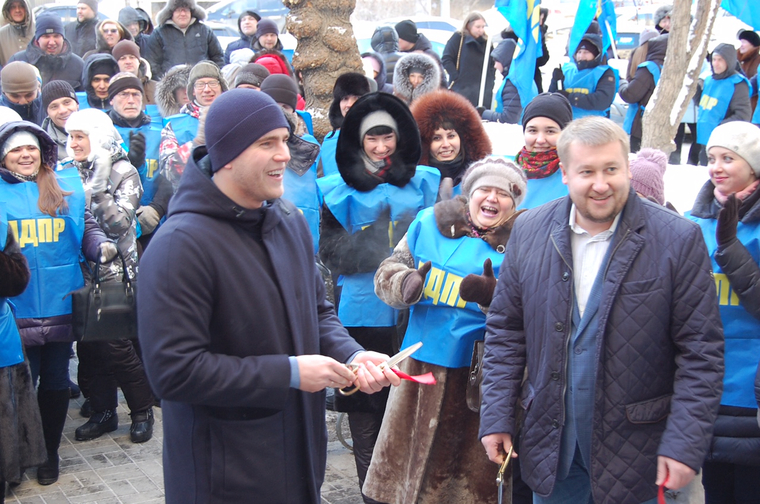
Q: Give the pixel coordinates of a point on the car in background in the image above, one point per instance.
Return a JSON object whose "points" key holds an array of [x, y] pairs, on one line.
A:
{"points": [[228, 11], [438, 30], [224, 33], [66, 12]]}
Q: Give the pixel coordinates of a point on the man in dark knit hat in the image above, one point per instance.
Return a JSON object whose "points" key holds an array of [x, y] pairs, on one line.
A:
{"points": [[81, 33], [410, 40], [51, 53], [242, 389], [142, 136], [251, 76], [59, 101], [247, 23], [127, 55], [21, 91]]}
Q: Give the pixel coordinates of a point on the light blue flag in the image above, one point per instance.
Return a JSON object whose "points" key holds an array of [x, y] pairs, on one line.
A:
{"points": [[604, 11], [523, 17], [607, 22], [748, 11]]}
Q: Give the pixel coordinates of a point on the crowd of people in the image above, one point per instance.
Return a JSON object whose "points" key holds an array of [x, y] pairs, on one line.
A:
{"points": [[619, 341]]}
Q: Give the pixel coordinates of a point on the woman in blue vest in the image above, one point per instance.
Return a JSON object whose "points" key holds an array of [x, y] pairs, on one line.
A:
{"points": [[367, 208], [723, 96], [728, 211], [588, 84], [21, 441], [114, 191], [46, 211], [544, 119], [427, 451], [452, 134]]}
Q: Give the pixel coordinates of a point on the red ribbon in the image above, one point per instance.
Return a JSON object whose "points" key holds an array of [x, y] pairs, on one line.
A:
{"points": [[425, 379], [661, 492]]}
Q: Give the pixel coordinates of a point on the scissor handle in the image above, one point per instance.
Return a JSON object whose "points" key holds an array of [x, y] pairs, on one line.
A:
{"points": [[503, 467], [350, 391]]}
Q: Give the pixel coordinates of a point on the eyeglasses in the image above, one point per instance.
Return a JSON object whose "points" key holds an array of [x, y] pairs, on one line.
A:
{"points": [[110, 31], [200, 86], [125, 95]]}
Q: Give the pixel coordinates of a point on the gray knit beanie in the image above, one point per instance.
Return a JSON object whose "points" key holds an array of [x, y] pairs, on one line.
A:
{"points": [[374, 119], [741, 137], [204, 70], [496, 172]]}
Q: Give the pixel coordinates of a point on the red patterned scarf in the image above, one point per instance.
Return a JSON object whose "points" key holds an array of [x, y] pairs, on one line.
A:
{"points": [[538, 165]]}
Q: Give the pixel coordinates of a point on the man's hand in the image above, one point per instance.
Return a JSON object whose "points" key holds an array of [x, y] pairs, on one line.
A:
{"points": [[369, 377], [678, 475], [497, 446], [318, 372]]}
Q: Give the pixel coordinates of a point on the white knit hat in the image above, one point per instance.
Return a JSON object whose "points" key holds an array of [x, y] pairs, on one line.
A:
{"points": [[19, 139], [741, 137]]}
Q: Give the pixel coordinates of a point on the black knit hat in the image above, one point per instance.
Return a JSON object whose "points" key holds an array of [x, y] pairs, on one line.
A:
{"points": [[236, 120], [282, 88], [407, 30], [46, 25], [253, 74], [750, 36], [551, 105], [92, 4], [57, 89], [122, 81], [266, 26], [587, 45]]}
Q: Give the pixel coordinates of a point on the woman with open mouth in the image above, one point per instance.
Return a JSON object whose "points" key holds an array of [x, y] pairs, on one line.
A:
{"points": [[427, 450]]}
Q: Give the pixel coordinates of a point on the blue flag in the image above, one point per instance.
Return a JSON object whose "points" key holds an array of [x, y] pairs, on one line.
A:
{"points": [[523, 17], [747, 11], [604, 11]]}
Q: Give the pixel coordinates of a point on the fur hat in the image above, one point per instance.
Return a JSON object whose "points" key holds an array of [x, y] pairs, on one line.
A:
{"points": [[430, 70], [348, 153], [266, 26], [496, 172], [282, 89], [165, 14], [347, 84], [19, 77], [407, 30], [443, 107], [551, 105], [236, 120], [740, 137], [47, 24], [661, 13], [174, 79], [97, 125], [750, 36], [56, 89], [204, 70], [253, 74], [647, 172]]}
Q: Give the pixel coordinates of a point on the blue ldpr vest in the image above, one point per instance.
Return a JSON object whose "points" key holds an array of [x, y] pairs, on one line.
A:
{"points": [[544, 190], [327, 154], [185, 127], [149, 170], [713, 105], [741, 330], [307, 121], [446, 324], [756, 116], [154, 113], [10, 339], [633, 108], [303, 191], [355, 210], [51, 245], [525, 88], [585, 81]]}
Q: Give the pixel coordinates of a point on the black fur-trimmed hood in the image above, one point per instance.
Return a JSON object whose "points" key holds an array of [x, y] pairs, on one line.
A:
{"points": [[351, 83], [431, 76], [348, 154], [165, 14], [176, 77]]}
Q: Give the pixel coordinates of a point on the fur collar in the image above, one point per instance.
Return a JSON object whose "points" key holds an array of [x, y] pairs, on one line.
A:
{"points": [[176, 77], [165, 14], [451, 219]]}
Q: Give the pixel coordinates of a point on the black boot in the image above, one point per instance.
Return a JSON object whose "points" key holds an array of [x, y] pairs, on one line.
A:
{"points": [[53, 407], [98, 424], [85, 410], [142, 426]]}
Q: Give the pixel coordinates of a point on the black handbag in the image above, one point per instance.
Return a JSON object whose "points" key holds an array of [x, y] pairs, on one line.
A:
{"points": [[475, 377], [105, 311]]}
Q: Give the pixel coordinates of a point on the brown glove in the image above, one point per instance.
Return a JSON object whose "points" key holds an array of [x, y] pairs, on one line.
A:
{"points": [[479, 288], [411, 286]]}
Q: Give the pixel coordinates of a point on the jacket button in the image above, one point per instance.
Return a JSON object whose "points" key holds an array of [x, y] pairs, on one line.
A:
{"points": [[555, 423], [565, 276], [555, 376], [559, 326]]}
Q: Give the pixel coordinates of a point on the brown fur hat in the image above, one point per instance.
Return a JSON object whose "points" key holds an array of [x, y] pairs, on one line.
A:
{"points": [[439, 107]]}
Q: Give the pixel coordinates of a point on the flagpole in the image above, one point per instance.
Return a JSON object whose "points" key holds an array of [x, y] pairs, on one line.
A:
{"points": [[612, 39], [484, 75]]}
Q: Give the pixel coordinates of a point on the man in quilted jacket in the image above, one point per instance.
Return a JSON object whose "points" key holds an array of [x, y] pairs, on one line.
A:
{"points": [[609, 303]]}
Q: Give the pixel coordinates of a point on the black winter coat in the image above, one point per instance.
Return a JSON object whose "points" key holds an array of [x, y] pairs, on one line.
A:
{"points": [[234, 428], [466, 79], [82, 36], [640, 88], [66, 66], [168, 46], [659, 349]]}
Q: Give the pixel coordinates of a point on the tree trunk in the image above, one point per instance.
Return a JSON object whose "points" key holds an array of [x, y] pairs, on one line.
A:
{"points": [[680, 73], [326, 49]]}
